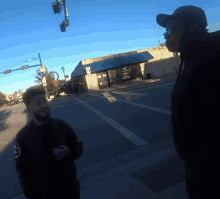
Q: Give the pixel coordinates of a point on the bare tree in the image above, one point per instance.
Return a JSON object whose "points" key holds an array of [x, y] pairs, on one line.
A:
{"points": [[39, 75], [49, 77], [2, 98]]}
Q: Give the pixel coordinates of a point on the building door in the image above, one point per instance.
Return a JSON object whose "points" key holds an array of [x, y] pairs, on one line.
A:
{"points": [[102, 80], [148, 75], [92, 82]]}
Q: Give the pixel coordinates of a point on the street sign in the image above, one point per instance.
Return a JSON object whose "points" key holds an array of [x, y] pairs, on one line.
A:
{"points": [[42, 69], [88, 70], [44, 81]]}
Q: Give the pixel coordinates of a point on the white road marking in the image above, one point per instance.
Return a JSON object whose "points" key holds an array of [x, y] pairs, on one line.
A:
{"points": [[127, 93], [147, 107], [144, 106], [150, 86], [171, 83], [109, 97], [125, 132]]}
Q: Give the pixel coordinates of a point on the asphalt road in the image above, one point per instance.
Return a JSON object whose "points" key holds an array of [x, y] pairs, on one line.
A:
{"points": [[108, 123]]}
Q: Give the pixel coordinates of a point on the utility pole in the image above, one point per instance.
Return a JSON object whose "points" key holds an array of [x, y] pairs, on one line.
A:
{"points": [[44, 80]]}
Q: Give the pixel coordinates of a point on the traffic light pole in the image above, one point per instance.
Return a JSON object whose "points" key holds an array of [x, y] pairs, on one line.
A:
{"points": [[46, 92], [40, 59], [57, 9], [24, 67], [64, 4], [44, 76]]}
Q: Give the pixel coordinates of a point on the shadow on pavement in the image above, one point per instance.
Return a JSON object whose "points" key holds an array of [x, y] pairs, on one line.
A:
{"points": [[4, 114], [9, 181], [8, 175]]}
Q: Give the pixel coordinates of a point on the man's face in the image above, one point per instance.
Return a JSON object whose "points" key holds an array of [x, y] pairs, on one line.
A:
{"points": [[39, 108], [173, 36]]}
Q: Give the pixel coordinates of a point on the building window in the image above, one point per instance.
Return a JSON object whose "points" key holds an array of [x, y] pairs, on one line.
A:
{"points": [[99, 76], [104, 75]]}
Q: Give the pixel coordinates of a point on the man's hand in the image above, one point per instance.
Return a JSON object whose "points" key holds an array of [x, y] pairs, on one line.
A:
{"points": [[61, 152]]}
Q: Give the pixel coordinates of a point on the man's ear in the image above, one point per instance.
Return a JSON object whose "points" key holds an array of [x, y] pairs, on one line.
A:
{"points": [[29, 109]]}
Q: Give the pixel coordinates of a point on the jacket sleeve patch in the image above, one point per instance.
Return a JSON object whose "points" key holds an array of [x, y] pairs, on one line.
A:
{"points": [[17, 150]]}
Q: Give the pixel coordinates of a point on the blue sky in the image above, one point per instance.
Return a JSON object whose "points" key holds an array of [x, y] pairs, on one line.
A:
{"points": [[97, 28]]}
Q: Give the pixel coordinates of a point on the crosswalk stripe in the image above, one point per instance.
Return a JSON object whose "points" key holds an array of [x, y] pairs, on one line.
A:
{"points": [[125, 132], [126, 93]]}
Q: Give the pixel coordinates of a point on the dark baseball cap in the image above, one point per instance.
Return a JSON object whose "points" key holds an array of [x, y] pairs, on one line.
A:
{"points": [[184, 12]]}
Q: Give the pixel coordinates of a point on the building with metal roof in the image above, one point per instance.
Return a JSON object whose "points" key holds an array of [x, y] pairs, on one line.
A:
{"points": [[114, 69], [110, 62]]}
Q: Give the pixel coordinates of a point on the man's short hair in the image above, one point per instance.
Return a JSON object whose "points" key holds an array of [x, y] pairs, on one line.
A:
{"points": [[30, 93]]}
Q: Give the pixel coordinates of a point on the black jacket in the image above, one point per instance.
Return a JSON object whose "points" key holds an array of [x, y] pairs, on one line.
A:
{"points": [[196, 96], [35, 164]]}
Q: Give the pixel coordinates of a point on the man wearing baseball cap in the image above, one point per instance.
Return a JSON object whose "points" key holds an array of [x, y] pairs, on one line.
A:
{"points": [[195, 100]]}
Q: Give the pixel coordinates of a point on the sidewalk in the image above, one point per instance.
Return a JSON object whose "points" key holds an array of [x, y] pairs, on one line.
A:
{"points": [[146, 83], [148, 172]]}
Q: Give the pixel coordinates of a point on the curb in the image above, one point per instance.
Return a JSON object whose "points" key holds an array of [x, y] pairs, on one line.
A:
{"points": [[149, 82], [123, 169]]}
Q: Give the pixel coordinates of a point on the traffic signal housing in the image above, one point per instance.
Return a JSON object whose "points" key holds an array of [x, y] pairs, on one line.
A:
{"points": [[57, 7], [63, 27], [24, 67], [7, 71]]}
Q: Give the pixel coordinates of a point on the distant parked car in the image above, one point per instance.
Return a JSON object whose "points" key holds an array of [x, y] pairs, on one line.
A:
{"points": [[11, 103], [16, 101], [5, 104]]}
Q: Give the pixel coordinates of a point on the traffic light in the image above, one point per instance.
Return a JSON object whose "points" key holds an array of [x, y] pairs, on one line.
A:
{"points": [[7, 71], [66, 21], [63, 27], [57, 7], [24, 67]]}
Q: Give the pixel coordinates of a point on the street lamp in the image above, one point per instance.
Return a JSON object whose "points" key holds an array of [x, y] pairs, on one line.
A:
{"points": [[65, 77], [63, 69]]}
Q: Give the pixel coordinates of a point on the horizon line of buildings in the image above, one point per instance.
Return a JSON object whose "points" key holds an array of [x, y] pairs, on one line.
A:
{"points": [[104, 71]]}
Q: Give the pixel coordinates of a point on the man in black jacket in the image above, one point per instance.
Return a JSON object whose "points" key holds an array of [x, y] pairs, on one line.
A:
{"points": [[195, 98], [44, 151]]}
